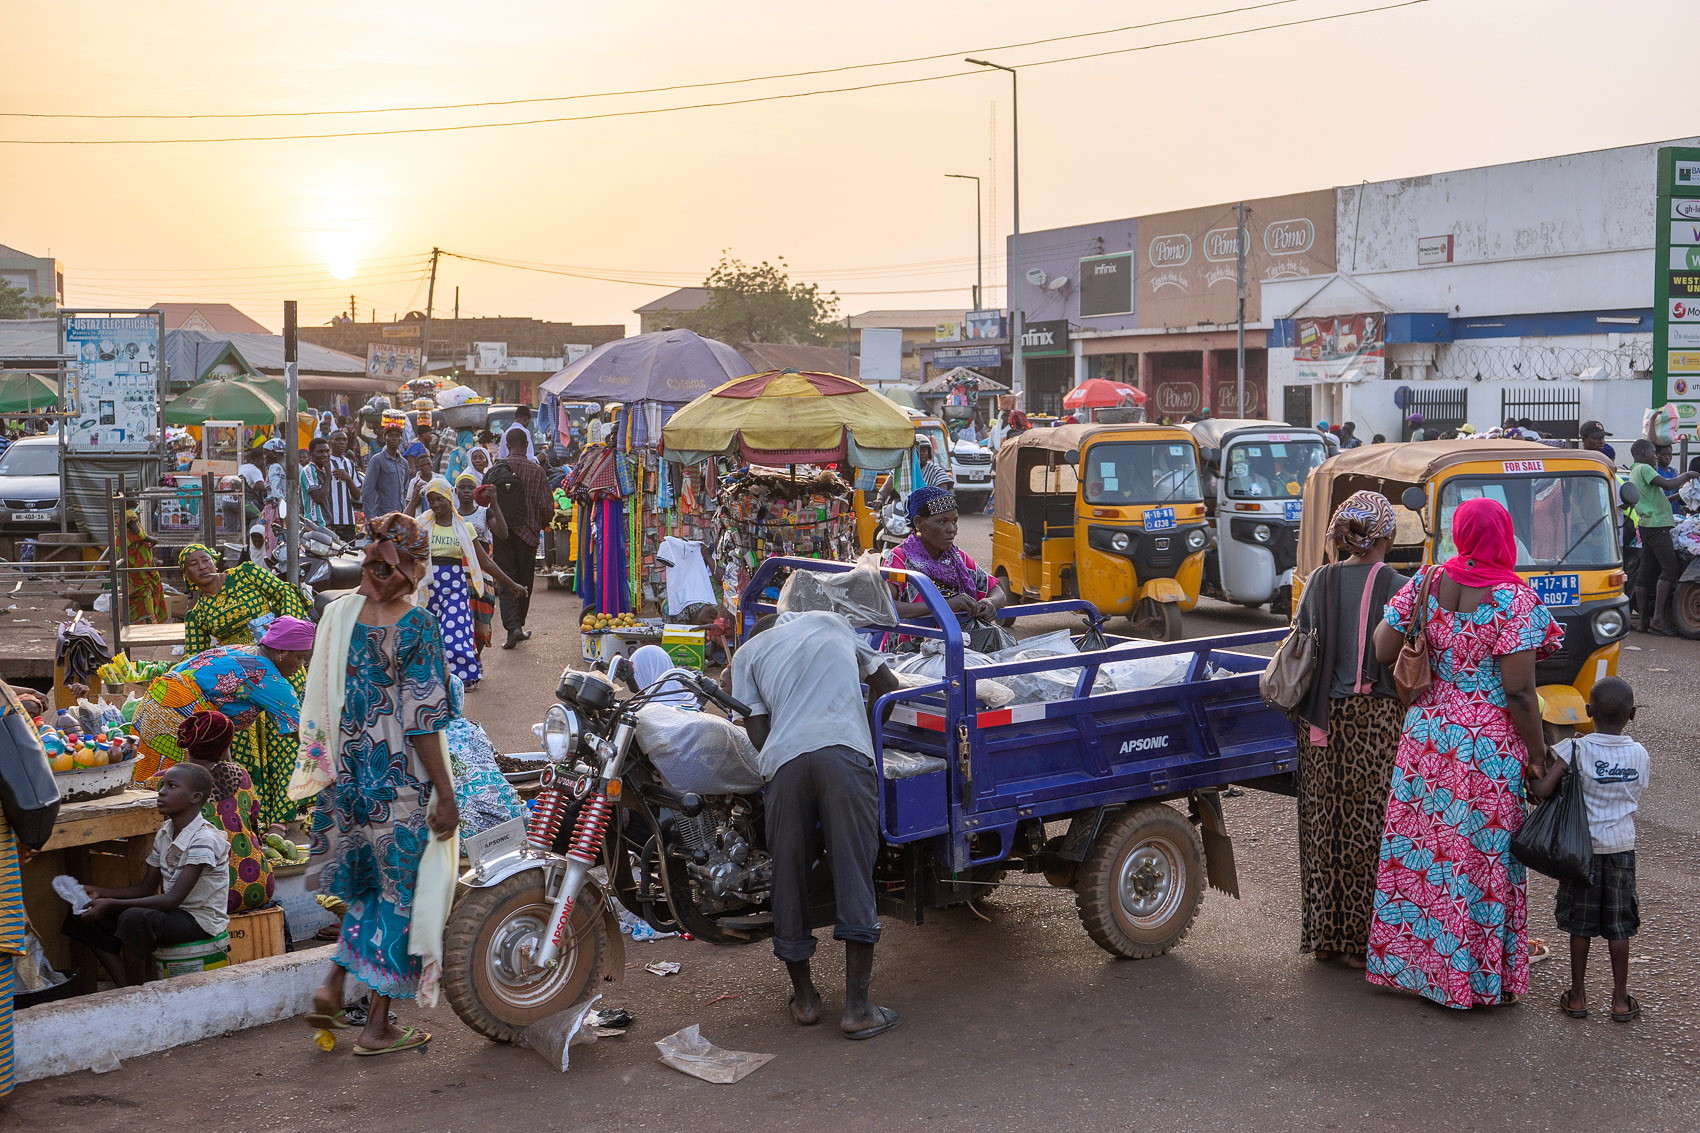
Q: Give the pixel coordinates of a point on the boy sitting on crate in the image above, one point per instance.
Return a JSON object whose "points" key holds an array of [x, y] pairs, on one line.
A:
{"points": [[1614, 772], [181, 898]]}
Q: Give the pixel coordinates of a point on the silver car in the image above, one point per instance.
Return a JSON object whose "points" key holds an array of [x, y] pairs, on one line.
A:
{"points": [[29, 483]]}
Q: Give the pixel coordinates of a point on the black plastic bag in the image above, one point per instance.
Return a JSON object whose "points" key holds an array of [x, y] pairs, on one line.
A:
{"points": [[987, 636], [1555, 839]]}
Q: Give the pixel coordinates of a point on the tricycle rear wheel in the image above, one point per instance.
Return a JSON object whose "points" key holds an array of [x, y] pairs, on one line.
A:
{"points": [[1685, 608], [1140, 889]]}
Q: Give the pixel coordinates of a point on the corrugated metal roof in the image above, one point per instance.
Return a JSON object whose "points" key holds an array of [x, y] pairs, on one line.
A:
{"points": [[221, 317], [905, 320], [684, 299]]}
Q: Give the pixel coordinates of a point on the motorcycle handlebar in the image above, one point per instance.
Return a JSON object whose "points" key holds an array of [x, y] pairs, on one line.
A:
{"points": [[713, 691]]}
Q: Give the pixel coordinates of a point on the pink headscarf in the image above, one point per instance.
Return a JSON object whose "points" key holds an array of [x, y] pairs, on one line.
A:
{"points": [[1487, 550], [292, 635]]}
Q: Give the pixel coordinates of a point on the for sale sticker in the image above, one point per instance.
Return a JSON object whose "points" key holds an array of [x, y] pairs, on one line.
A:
{"points": [[1159, 518], [1518, 466], [1557, 589]]}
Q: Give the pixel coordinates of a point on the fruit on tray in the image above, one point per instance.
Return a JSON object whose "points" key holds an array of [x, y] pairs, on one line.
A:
{"points": [[600, 623]]}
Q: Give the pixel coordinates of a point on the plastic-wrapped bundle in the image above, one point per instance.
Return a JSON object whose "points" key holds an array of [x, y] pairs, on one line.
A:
{"points": [[695, 751], [1689, 494], [908, 764], [860, 595], [455, 395], [1148, 672], [1686, 533]]}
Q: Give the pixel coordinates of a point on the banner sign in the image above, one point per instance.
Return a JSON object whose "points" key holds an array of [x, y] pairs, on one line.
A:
{"points": [[947, 332], [968, 356], [489, 357], [1106, 285], [114, 384], [1327, 349], [396, 363], [1676, 287], [1046, 339], [982, 325]]}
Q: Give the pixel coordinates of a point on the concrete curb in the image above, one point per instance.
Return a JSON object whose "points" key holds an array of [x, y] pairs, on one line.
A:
{"points": [[92, 1032]]}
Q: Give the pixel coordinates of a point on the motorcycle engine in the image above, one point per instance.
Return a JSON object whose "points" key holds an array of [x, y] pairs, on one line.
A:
{"points": [[721, 856]]}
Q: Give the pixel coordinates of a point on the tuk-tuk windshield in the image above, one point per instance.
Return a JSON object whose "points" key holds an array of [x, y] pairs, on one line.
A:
{"points": [[1140, 472], [1262, 469], [1563, 520], [935, 434]]}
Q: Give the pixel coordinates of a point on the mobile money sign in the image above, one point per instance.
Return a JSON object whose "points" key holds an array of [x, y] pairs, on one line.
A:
{"points": [[1676, 288], [113, 387]]}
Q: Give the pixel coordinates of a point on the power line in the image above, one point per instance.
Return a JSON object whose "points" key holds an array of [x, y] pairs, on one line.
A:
{"points": [[700, 105], [653, 90]]}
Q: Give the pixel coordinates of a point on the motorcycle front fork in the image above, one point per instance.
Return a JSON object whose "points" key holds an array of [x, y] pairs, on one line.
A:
{"points": [[584, 845]]}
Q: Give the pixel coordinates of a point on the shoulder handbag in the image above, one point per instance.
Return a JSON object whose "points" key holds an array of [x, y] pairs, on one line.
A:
{"points": [[1286, 682], [1411, 672], [28, 791], [1555, 839]]}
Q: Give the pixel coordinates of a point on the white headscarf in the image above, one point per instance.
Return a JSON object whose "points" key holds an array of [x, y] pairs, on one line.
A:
{"points": [[468, 541], [472, 462], [650, 663]]}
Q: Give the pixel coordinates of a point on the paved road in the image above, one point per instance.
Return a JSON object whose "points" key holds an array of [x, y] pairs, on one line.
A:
{"points": [[1019, 1021]]}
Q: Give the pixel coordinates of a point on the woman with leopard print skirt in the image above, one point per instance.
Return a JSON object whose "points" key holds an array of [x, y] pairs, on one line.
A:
{"points": [[1349, 729]]}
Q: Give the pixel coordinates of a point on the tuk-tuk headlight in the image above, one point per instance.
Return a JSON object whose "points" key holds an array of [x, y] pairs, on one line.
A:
{"points": [[1196, 538], [1262, 533], [1120, 541], [1608, 625]]}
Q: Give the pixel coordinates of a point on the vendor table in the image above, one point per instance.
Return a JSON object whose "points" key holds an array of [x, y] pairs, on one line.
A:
{"points": [[99, 842]]}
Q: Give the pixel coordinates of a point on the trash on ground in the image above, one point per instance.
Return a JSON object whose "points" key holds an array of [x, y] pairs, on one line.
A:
{"points": [[613, 1021], [686, 1050], [663, 967], [554, 1037]]}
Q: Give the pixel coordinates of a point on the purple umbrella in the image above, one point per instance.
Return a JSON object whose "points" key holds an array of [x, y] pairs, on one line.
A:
{"points": [[673, 366]]}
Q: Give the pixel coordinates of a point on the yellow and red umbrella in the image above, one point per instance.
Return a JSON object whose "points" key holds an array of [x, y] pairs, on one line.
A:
{"points": [[791, 417]]}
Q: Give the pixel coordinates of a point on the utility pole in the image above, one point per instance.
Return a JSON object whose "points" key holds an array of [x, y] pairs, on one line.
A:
{"points": [[454, 331], [1239, 273], [979, 249], [291, 434], [353, 311], [430, 298], [1017, 371], [847, 346]]}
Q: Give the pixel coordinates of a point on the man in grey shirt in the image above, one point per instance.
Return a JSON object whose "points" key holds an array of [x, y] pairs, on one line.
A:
{"points": [[800, 675], [387, 474]]}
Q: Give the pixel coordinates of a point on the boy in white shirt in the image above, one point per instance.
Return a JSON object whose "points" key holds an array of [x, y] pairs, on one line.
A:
{"points": [[1614, 772]]}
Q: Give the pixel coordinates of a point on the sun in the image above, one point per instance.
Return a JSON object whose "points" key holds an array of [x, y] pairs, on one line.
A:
{"points": [[342, 267]]}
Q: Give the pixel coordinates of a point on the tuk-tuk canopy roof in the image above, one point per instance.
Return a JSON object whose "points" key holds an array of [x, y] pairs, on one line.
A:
{"points": [[1413, 462], [1069, 438], [1212, 432]]}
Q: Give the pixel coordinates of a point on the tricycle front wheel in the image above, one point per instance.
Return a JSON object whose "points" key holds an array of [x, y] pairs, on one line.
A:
{"points": [[1159, 621], [1140, 889]]}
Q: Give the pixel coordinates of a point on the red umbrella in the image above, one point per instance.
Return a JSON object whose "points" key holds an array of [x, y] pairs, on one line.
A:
{"points": [[1099, 393]]}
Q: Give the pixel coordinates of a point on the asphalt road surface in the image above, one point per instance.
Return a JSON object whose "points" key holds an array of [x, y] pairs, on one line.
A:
{"points": [[1017, 1021]]}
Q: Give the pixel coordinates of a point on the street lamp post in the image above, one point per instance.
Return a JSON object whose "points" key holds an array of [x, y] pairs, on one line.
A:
{"points": [[979, 252], [1017, 372]]}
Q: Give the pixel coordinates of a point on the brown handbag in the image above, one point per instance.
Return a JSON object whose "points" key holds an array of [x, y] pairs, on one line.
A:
{"points": [[1411, 671]]}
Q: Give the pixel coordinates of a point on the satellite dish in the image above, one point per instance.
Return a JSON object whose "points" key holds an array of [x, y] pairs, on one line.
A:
{"points": [[1037, 276], [1060, 283]]}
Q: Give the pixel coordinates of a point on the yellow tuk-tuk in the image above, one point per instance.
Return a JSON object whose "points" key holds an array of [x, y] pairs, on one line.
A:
{"points": [[1563, 505], [1108, 513]]}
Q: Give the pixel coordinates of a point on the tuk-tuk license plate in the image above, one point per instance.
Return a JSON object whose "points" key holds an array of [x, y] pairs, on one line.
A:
{"points": [[1159, 519], [1558, 589], [494, 842], [1295, 510]]}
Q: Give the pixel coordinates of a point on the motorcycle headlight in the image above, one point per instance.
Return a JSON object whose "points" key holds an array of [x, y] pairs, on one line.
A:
{"points": [[1608, 625], [560, 733], [1196, 538], [1120, 541], [1262, 533]]}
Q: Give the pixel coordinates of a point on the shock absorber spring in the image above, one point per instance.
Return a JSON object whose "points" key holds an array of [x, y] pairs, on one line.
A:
{"points": [[546, 817], [586, 841]]}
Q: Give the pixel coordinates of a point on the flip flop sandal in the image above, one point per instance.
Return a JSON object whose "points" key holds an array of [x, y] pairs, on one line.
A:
{"points": [[326, 1021], [1564, 1006], [1629, 1016], [1539, 953], [412, 1038], [890, 1020]]}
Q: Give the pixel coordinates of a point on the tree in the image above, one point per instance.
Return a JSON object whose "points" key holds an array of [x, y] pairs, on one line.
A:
{"points": [[15, 304], [759, 303]]}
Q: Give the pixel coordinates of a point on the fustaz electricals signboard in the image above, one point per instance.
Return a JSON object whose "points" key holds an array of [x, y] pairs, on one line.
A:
{"points": [[1106, 285], [1676, 288]]}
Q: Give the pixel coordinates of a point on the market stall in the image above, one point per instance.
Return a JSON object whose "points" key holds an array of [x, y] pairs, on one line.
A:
{"points": [[800, 437]]}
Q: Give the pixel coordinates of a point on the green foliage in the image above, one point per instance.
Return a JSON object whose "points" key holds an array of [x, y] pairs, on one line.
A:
{"points": [[14, 304], [759, 303]]}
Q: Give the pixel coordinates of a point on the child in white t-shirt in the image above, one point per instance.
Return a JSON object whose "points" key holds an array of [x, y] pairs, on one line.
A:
{"points": [[1614, 772]]}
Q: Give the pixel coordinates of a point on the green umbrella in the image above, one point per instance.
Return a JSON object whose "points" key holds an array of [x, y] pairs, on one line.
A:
{"points": [[218, 399], [906, 397], [23, 393]]}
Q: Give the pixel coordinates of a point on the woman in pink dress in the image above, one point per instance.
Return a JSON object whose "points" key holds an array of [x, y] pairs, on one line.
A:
{"points": [[1450, 904]]}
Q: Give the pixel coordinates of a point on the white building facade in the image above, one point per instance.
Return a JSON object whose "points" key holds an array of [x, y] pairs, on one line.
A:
{"points": [[1520, 291]]}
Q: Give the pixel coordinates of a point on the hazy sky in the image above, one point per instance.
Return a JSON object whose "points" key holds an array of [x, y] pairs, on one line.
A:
{"points": [[849, 187]]}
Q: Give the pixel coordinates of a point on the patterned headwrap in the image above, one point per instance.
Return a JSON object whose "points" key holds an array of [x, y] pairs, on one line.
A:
{"points": [[417, 448], [930, 501], [206, 735], [394, 537], [468, 478], [183, 559], [1361, 522]]}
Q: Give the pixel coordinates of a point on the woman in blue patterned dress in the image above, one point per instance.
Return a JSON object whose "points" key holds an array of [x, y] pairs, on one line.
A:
{"points": [[378, 771], [460, 569]]}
